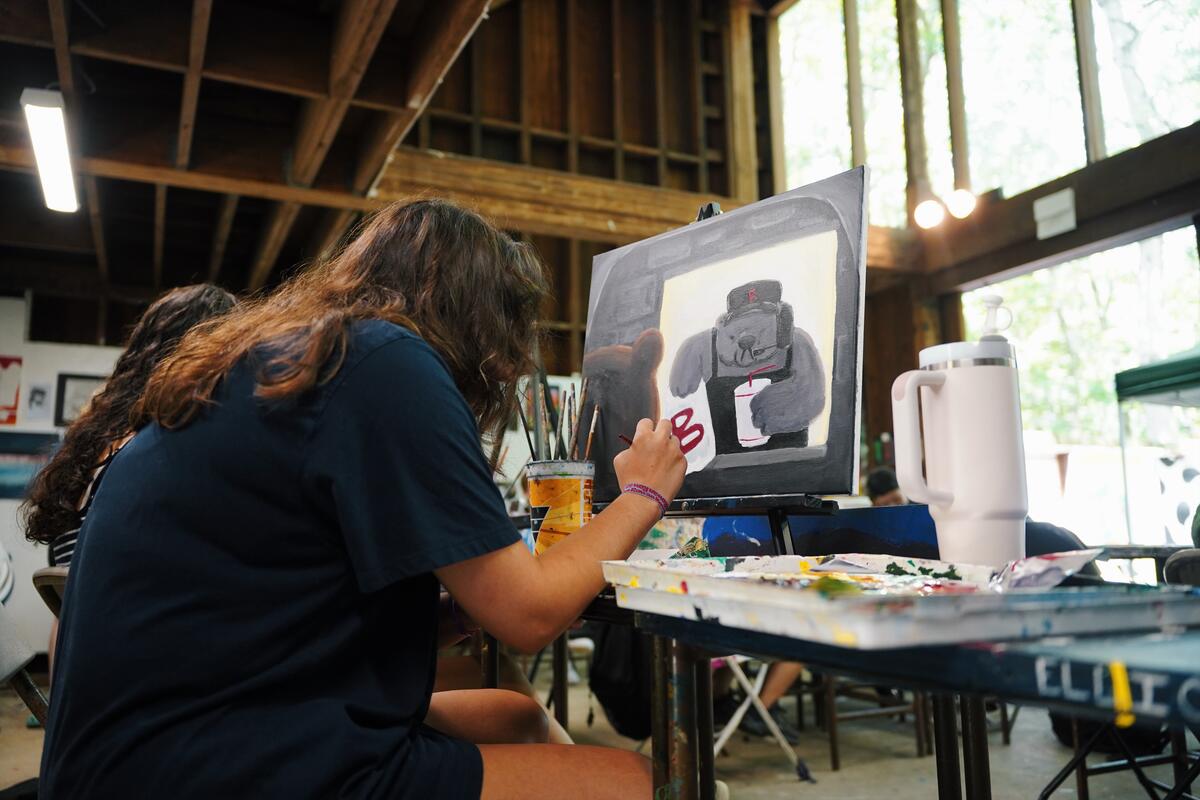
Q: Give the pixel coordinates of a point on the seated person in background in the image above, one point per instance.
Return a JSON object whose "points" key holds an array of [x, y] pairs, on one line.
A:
{"points": [[255, 610], [883, 489], [62, 492]]}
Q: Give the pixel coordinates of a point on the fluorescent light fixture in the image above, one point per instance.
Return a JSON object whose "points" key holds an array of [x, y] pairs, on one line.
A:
{"points": [[960, 203], [48, 132], [929, 214]]}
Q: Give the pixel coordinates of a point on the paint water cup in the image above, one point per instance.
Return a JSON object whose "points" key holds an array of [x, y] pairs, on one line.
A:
{"points": [[560, 499], [748, 434]]}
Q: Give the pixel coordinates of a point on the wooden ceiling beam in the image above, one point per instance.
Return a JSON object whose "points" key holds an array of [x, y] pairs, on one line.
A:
{"points": [[20, 159], [160, 231], [96, 221], [439, 37], [359, 27], [225, 215], [65, 280], [201, 14], [26, 225], [1124, 197]]}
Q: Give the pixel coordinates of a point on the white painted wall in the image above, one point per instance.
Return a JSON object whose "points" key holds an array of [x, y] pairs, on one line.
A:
{"points": [[42, 362]]}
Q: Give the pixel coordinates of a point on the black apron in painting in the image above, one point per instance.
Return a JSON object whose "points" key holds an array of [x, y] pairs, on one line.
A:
{"points": [[719, 389]]}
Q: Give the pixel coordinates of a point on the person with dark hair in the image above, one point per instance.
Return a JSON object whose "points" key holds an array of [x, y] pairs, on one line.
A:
{"points": [[61, 492], [883, 488], [257, 606]]}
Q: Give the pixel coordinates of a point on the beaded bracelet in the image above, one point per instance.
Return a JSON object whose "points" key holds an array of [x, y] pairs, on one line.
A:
{"points": [[649, 494]]}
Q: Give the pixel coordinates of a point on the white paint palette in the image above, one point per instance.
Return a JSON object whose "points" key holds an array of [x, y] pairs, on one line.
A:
{"points": [[787, 596]]}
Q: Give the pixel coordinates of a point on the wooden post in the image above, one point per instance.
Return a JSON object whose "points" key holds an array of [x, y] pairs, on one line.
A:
{"points": [[1089, 79], [775, 111], [743, 145], [911, 94], [854, 85], [959, 149]]}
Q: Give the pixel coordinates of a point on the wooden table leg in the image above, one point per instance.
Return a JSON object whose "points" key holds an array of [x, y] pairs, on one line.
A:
{"points": [[560, 680], [945, 745], [704, 726], [976, 767], [659, 728], [681, 747], [491, 662]]}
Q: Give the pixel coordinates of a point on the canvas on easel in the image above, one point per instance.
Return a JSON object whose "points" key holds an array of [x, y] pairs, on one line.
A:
{"points": [[744, 330]]}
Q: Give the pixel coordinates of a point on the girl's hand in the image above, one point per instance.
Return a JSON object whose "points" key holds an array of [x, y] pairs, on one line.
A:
{"points": [[654, 459]]}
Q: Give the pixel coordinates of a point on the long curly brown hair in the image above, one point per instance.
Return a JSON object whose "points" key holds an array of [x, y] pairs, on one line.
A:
{"points": [[438, 269], [51, 507]]}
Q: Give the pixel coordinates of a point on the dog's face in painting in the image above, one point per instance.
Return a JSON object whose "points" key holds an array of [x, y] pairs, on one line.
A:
{"points": [[749, 337]]}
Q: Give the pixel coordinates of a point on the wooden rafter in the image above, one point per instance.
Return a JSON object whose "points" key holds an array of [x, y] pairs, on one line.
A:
{"points": [[440, 35], [359, 27], [97, 224], [201, 13], [225, 215], [160, 231]]}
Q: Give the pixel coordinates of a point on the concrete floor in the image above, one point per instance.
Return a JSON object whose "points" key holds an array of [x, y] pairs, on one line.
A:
{"points": [[878, 759]]}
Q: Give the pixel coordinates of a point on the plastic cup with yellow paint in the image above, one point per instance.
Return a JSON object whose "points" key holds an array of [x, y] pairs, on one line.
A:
{"points": [[560, 499]]}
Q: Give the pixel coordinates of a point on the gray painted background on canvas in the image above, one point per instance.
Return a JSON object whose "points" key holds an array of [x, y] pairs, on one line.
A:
{"points": [[626, 300]]}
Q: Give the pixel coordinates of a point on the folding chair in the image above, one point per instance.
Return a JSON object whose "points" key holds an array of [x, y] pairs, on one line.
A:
{"points": [[753, 692], [15, 655], [51, 584]]}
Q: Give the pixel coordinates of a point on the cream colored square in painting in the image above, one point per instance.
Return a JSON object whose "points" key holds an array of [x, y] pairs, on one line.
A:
{"points": [[806, 268]]}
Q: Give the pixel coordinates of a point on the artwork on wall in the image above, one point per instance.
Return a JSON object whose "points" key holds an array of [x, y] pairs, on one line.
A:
{"points": [[10, 389], [21, 456], [74, 393], [745, 331], [39, 402]]}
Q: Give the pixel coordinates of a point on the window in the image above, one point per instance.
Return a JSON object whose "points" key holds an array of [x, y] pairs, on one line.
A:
{"points": [[883, 108], [1020, 75], [812, 55], [1075, 326], [936, 97], [1149, 59]]}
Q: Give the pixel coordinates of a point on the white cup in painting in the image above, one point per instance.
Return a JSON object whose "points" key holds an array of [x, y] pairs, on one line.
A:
{"points": [[748, 434]]}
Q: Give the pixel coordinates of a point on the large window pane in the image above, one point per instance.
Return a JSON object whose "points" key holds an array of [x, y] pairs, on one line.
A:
{"points": [[816, 126], [1149, 56], [1075, 326], [1024, 118], [884, 111], [936, 97]]}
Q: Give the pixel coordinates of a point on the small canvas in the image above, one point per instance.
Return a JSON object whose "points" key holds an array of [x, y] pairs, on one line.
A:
{"points": [[745, 331]]}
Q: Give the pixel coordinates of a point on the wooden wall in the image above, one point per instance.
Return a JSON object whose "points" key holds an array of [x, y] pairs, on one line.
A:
{"points": [[635, 91]]}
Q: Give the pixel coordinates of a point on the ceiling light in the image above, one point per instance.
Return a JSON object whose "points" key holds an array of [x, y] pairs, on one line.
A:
{"points": [[929, 214], [48, 132], [960, 203]]}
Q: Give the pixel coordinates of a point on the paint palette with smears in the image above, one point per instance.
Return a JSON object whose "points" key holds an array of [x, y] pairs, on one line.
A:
{"points": [[813, 599]]}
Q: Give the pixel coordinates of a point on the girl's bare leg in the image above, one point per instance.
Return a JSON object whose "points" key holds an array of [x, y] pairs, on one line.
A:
{"points": [[487, 716], [552, 772], [465, 672]]}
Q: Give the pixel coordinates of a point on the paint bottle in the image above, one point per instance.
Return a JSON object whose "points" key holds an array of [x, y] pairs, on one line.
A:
{"points": [[971, 444]]}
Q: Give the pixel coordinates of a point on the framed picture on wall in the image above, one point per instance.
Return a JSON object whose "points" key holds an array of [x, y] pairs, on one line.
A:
{"points": [[74, 392]]}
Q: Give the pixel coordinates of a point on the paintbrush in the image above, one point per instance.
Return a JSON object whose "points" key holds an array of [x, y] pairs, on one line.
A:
{"points": [[591, 433], [525, 425], [560, 450], [620, 436], [579, 419]]}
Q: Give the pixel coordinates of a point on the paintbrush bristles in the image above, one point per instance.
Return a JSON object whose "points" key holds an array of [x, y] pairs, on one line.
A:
{"points": [[587, 452], [572, 447]]}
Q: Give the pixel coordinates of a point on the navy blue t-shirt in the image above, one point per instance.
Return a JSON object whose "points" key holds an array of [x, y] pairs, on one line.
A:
{"points": [[251, 610]]}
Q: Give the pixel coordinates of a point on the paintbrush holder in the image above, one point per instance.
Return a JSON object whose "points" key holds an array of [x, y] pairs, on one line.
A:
{"points": [[560, 499]]}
